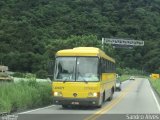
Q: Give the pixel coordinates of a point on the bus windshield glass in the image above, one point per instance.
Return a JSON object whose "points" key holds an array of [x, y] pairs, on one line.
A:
{"points": [[87, 69], [76, 69], [65, 68]]}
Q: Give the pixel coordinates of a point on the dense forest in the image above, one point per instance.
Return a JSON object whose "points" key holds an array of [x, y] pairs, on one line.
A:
{"points": [[31, 31]]}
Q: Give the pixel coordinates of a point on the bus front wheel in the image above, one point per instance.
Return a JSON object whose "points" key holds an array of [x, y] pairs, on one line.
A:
{"points": [[111, 96], [102, 100]]}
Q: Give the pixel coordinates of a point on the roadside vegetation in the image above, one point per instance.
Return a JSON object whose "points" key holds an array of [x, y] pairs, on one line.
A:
{"points": [[124, 77], [40, 28], [126, 73], [156, 84], [24, 95]]}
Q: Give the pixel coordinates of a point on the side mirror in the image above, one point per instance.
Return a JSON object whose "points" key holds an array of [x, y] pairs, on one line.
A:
{"points": [[117, 76], [51, 70]]}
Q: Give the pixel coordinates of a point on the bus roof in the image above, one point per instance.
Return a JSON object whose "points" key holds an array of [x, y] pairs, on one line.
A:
{"points": [[84, 51]]}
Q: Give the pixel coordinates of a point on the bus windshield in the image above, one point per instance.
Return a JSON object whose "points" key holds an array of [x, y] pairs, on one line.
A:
{"points": [[87, 69], [65, 68], [76, 69]]}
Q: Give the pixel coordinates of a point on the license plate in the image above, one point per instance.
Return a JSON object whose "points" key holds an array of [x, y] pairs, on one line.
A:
{"points": [[75, 103]]}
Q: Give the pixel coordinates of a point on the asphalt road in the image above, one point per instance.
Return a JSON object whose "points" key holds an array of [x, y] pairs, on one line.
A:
{"points": [[136, 97]]}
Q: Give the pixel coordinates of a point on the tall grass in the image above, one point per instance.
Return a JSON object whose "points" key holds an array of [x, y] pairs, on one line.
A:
{"points": [[156, 84], [24, 95], [124, 77], [129, 71]]}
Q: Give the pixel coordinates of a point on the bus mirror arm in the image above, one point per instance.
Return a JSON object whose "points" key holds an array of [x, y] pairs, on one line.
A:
{"points": [[64, 80], [85, 81]]}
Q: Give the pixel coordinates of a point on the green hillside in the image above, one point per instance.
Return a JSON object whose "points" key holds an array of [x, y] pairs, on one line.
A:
{"points": [[31, 31]]}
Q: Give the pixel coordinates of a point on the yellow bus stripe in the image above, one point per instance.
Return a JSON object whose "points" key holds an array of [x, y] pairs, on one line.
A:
{"points": [[112, 104]]}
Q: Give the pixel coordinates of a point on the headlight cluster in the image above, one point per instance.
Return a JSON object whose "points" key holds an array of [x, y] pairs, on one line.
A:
{"points": [[95, 94], [58, 94]]}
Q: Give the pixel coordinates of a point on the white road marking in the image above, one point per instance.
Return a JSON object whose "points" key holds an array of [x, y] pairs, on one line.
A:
{"points": [[158, 106], [36, 109]]}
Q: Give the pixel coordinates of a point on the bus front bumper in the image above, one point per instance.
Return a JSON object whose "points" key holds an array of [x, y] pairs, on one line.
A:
{"points": [[76, 101]]}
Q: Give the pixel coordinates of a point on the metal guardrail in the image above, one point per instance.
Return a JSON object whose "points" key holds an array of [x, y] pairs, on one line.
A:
{"points": [[3, 113], [3, 68]]}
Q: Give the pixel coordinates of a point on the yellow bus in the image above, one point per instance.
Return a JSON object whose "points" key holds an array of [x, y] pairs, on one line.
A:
{"points": [[83, 76]]}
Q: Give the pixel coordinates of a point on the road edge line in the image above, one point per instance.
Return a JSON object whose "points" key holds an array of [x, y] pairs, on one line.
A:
{"points": [[36, 109], [157, 103], [100, 112]]}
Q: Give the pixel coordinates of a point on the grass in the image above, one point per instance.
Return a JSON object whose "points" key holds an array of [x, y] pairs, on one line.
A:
{"points": [[124, 77], [156, 84], [24, 95]]}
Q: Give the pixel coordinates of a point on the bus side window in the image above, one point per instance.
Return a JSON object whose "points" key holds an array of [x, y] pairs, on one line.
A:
{"points": [[107, 66], [103, 65], [111, 67]]}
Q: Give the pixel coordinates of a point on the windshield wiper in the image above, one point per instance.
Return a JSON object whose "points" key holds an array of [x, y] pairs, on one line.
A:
{"points": [[85, 80], [65, 80]]}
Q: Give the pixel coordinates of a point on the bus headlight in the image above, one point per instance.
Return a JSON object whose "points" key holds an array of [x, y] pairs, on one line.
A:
{"points": [[57, 93], [95, 94], [92, 94]]}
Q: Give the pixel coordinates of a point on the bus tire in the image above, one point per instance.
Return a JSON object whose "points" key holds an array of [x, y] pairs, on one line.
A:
{"points": [[102, 100], [111, 96], [104, 96], [99, 106]]}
